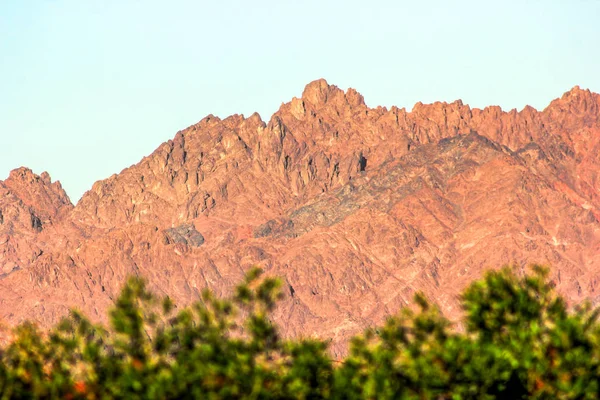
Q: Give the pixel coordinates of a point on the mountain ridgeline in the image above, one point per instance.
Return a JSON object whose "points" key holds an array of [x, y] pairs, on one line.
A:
{"points": [[356, 208]]}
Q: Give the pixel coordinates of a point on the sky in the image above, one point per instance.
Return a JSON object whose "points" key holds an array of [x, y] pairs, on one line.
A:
{"points": [[89, 87]]}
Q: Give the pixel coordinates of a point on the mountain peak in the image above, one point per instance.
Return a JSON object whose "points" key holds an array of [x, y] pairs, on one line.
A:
{"points": [[316, 92], [38, 191], [577, 93], [577, 100], [319, 92], [22, 174]]}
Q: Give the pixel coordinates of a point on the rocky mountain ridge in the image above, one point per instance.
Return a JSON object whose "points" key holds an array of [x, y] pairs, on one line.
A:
{"points": [[356, 208]]}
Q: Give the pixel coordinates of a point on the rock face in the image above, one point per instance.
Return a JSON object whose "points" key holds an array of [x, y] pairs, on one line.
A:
{"points": [[356, 208]]}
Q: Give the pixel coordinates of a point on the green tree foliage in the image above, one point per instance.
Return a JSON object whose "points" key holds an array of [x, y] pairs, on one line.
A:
{"points": [[517, 340]]}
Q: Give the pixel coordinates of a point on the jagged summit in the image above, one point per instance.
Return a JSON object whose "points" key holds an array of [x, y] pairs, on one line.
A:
{"points": [[38, 191], [319, 92], [579, 101], [356, 207]]}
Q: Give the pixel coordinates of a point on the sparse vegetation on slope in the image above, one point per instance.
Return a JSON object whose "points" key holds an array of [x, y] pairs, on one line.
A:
{"points": [[519, 341]]}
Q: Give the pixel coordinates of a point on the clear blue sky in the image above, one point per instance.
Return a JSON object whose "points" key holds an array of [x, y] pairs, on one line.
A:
{"points": [[89, 87]]}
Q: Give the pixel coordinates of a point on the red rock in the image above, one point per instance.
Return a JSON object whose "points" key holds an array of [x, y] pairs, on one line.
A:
{"points": [[356, 208]]}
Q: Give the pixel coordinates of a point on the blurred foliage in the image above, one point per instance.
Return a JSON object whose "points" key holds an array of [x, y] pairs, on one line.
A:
{"points": [[517, 340]]}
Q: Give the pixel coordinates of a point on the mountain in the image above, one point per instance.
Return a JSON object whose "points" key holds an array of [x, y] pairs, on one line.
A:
{"points": [[356, 208]]}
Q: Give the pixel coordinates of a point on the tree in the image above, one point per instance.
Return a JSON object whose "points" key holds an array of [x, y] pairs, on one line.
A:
{"points": [[518, 340]]}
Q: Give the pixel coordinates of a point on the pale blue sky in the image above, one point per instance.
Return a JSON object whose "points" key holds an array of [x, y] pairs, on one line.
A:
{"points": [[89, 87]]}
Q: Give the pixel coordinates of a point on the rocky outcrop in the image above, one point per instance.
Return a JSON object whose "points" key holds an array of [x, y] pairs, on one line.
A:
{"points": [[356, 208], [184, 234]]}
